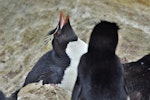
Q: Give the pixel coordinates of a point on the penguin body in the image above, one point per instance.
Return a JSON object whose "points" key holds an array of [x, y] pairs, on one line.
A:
{"points": [[75, 50], [51, 71], [137, 77], [100, 73], [51, 66]]}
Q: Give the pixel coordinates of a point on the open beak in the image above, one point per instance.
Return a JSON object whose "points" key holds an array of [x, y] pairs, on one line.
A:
{"points": [[61, 23], [61, 20], [67, 20]]}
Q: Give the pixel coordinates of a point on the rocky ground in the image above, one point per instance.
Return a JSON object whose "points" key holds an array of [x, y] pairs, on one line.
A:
{"points": [[25, 23]]}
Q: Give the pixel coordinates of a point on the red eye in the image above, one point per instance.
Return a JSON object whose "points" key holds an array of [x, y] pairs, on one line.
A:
{"points": [[57, 33]]}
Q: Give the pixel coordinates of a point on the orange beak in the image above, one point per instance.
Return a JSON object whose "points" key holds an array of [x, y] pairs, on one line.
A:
{"points": [[62, 21], [67, 19]]}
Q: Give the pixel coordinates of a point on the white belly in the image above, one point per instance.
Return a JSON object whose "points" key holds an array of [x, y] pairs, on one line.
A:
{"points": [[74, 50]]}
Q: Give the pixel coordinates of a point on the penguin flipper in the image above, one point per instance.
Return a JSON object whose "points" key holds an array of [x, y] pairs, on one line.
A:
{"points": [[47, 75], [77, 90]]}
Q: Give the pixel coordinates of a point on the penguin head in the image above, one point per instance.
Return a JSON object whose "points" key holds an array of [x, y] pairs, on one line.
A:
{"points": [[104, 37], [64, 33]]}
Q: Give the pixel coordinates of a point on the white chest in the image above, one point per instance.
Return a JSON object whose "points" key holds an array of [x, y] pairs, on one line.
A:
{"points": [[74, 50]]}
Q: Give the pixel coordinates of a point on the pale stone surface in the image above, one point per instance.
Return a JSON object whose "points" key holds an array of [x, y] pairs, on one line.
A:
{"points": [[36, 91]]}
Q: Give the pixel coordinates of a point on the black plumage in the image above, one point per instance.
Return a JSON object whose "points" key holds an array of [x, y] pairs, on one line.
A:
{"points": [[2, 96], [100, 73], [51, 66], [137, 77]]}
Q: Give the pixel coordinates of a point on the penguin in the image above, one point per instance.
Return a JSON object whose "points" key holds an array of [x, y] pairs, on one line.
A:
{"points": [[100, 73], [51, 67], [137, 78], [2, 96], [74, 50]]}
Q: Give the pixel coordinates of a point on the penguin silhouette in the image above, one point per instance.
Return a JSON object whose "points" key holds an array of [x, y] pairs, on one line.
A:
{"points": [[2, 96], [100, 73], [137, 78], [51, 66]]}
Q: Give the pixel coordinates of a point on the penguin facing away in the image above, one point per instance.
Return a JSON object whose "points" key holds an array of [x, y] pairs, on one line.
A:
{"points": [[51, 67], [100, 73], [137, 78]]}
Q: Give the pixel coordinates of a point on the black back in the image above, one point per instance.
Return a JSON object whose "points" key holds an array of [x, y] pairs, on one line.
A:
{"points": [[100, 74], [137, 77]]}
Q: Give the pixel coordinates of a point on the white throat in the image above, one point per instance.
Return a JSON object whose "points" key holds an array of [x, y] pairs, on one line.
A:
{"points": [[74, 50]]}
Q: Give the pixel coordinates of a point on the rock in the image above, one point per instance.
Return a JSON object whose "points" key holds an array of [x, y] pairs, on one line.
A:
{"points": [[37, 91]]}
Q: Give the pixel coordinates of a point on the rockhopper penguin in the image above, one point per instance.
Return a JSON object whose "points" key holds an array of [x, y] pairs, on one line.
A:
{"points": [[51, 67], [100, 73]]}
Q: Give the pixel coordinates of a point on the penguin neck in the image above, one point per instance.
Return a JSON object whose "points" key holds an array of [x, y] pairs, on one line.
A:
{"points": [[59, 48], [101, 53]]}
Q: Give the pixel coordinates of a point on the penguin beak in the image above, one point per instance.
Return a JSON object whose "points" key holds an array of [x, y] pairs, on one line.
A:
{"points": [[60, 25], [61, 20], [67, 20]]}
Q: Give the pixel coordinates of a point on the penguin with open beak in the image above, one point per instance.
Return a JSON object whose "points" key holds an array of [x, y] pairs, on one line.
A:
{"points": [[51, 67]]}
